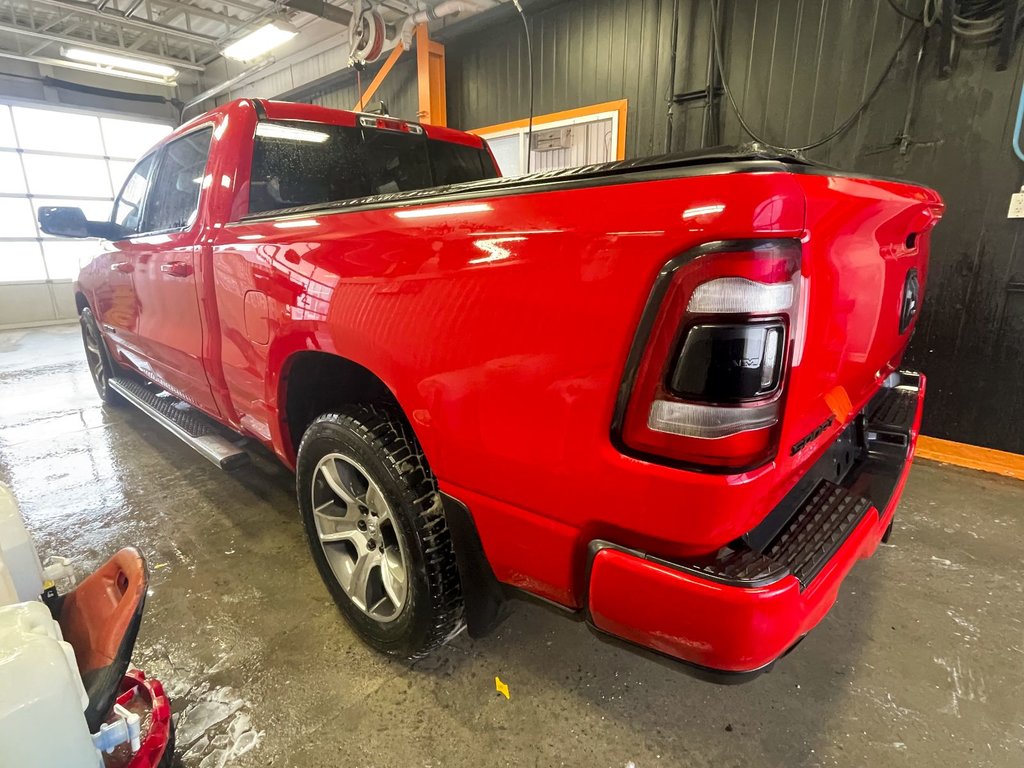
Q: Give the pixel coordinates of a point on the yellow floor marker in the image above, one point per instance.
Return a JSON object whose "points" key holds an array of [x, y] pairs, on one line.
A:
{"points": [[501, 687]]}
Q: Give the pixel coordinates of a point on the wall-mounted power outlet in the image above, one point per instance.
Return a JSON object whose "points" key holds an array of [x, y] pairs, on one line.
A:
{"points": [[1016, 206]]}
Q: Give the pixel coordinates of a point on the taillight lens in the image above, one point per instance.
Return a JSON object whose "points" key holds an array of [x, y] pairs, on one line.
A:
{"points": [[709, 364], [729, 362]]}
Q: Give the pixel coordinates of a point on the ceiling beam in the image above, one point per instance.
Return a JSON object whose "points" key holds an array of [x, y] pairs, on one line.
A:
{"points": [[322, 9], [239, 4], [195, 10], [112, 50], [84, 9]]}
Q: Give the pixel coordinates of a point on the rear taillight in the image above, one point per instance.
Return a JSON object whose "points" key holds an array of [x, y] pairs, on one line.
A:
{"points": [[705, 383]]}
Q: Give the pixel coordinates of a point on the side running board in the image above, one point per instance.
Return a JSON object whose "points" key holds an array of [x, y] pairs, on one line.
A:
{"points": [[183, 421]]}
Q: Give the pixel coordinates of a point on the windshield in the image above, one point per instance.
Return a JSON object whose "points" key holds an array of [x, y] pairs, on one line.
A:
{"points": [[300, 163]]}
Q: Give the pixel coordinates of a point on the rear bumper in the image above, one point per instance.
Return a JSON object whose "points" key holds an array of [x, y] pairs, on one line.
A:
{"points": [[736, 613]]}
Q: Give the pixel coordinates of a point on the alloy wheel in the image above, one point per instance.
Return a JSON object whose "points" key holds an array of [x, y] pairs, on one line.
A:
{"points": [[94, 355], [358, 534]]}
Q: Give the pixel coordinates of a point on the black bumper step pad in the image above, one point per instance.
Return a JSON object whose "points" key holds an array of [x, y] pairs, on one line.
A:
{"points": [[817, 531], [892, 410], [735, 567], [810, 538], [812, 522]]}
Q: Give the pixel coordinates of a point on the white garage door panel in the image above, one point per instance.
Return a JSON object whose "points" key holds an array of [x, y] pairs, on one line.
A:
{"points": [[25, 304], [57, 157]]}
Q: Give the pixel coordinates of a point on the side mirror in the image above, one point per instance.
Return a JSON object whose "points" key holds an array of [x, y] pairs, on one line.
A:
{"points": [[65, 221]]}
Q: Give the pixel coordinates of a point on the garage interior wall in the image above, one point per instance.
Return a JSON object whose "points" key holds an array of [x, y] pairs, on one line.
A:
{"points": [[797, 69]]}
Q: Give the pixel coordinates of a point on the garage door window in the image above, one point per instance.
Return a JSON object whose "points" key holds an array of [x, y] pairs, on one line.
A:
{"points": [[60, 157]]}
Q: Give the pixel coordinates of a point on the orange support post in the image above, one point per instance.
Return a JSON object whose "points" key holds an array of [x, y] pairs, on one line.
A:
{"points": [[430, 79], [379, 78]]}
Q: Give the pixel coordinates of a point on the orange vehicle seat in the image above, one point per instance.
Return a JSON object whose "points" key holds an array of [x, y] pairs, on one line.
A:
{"points": [[100, 618]]}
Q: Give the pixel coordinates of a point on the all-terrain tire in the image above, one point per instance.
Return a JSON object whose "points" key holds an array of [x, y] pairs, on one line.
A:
{"points": [[380, 442]]}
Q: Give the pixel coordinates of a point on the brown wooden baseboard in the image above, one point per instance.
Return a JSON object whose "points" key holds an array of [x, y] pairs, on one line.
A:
{"points": [[971, 457]]}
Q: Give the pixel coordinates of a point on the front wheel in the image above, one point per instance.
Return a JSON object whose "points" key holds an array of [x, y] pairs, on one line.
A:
{"points": [[101, 368], [377, 531]]}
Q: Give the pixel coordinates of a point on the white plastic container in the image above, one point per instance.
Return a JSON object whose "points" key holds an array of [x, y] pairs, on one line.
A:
{"points": [[42, 699], [8, 593], [17, 552]]}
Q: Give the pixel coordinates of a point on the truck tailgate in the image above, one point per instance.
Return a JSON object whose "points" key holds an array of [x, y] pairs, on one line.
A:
{"points": [[865, 264]]}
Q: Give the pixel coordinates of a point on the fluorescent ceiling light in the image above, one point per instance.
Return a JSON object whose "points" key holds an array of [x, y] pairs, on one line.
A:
{"points": [[118, 62], [261, 41], [98, 70], [277, 131]]}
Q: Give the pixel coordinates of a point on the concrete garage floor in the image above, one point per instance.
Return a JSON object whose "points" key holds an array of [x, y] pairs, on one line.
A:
{"points": [[921, 663]]}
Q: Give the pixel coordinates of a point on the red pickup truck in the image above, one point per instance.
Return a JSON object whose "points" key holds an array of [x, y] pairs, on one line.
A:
{"points": [[664, 394]]}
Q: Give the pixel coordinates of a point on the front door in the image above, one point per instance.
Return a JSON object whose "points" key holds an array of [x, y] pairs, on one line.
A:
{"points": [[115, 303], [164, 264]]}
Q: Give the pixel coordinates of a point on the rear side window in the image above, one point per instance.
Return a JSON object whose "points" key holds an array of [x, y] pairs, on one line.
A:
{"points": [[174, 196], [299, 163]]}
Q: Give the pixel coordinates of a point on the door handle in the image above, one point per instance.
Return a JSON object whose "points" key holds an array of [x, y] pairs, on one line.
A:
{"points": [[122, 266], [177, 268]]}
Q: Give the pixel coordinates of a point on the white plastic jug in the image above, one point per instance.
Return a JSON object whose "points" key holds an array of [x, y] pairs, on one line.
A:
{"points": [[42, 699], [18, 553], [8, 592]]}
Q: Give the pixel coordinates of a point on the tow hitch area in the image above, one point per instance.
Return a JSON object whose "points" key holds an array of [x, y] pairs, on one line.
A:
{"points": [[736, 612]]}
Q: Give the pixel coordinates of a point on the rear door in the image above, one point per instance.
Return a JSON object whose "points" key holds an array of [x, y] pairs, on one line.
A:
{"points": [[164, 262]]}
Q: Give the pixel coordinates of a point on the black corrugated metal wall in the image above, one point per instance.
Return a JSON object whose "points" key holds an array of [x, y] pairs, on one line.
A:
{"points": [[797, 69]]}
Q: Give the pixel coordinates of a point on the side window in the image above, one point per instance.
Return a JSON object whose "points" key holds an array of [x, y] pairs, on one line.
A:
{"points": [[128, 206], [173, 199]]}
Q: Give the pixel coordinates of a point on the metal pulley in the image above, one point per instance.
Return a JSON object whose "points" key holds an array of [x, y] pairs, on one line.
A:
{"points": [[367, 34]]}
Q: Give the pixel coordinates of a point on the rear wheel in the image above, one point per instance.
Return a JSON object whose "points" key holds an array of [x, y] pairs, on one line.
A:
{"points": [[377, 531], [101, 368]]}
